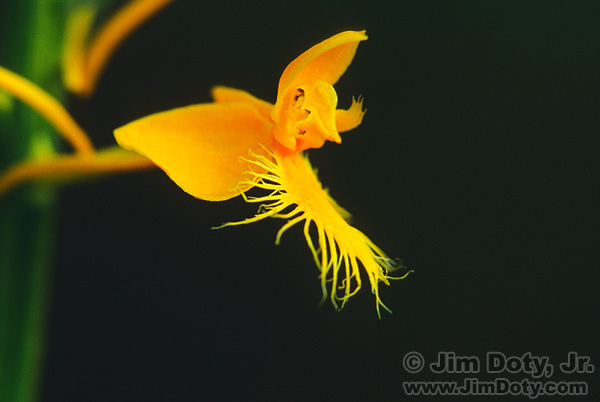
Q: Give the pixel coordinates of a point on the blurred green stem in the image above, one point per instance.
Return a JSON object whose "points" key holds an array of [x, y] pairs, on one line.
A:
{"points": [[30, 45]]}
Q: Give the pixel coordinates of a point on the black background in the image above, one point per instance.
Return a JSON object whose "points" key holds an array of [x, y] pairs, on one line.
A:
{"points": [[476, 164]]}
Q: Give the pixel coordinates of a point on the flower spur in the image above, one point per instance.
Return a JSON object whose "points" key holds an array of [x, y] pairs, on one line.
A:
{"points": [[216, 151]]}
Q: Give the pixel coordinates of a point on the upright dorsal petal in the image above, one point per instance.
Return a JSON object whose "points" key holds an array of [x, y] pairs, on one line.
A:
{"points": [[322, 64], [201, 147], [325, 61]]}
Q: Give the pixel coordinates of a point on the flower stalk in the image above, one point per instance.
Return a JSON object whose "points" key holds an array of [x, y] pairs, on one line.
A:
{"points": [[27, 215], [33, 43]]}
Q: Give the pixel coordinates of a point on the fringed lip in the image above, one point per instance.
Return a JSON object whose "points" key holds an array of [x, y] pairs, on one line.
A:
{"points": [[339, 249]]}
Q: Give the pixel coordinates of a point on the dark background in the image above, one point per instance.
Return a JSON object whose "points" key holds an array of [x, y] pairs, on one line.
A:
{"points": [[476, 164]]}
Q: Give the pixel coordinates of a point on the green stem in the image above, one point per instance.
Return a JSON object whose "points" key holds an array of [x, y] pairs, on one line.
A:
{"points": [[31, 38], [26, 243]]}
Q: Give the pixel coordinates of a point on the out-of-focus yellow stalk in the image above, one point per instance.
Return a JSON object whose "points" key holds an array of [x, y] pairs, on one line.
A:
{"points": [[48, 107], [64, 166], [83, 60]]}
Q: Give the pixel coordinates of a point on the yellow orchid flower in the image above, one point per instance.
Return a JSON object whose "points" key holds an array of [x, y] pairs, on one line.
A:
{"points": [[216, 151]]}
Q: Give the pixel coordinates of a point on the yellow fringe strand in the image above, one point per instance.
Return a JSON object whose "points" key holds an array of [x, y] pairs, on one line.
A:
{"points": [[297, 195]]}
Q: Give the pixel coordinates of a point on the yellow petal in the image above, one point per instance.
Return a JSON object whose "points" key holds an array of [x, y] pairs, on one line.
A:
{"points": [[326, 61], [346, 120], [222, 94], [201, 146], [320, 66]]}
